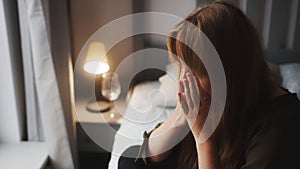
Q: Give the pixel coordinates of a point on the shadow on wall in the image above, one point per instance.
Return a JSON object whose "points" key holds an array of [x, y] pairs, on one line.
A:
{"points": [[291, 77]]}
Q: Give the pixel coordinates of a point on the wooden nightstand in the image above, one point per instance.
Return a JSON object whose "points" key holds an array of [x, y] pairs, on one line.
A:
{"points": [[93, 128]]}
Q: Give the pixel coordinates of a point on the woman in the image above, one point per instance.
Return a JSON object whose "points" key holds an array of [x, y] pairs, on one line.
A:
{"points": [[259, 124]]}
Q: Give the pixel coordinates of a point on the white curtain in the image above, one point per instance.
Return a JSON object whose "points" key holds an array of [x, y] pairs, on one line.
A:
{"points": [[45, 116]]}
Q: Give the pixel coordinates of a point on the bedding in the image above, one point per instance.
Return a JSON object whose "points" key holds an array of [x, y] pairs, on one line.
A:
{"points": [[140, 115], [169, 87], [150, 103], [291, 77]]}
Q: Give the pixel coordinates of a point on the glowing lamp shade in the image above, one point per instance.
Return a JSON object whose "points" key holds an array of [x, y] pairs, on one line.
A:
{"points": [[96, 61], [96, 67]]}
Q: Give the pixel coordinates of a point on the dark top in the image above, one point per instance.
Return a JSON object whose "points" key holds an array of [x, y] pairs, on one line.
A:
{"points": [[273, 145]]}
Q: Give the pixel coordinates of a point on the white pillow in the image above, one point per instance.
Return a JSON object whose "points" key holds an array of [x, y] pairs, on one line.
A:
{"points": [[168, 87]]}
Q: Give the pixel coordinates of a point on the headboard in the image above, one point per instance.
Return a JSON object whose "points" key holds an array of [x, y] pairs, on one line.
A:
{"points": [[146, 75]]}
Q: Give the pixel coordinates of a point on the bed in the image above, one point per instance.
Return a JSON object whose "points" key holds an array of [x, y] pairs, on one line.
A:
{"points": [[150, 102]]}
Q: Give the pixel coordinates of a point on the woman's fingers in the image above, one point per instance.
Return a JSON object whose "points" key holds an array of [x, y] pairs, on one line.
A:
{"points": [[183, 103], [182, 97], [194, 90], [189, 99], [187, 93], [180, 88]]}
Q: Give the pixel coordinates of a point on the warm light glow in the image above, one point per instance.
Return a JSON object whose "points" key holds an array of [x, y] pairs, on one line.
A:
{"points": [[96, 61], [96, 67], [112, 115]]}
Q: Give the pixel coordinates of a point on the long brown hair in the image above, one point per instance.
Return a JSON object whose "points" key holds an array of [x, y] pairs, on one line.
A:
{"points": [[247, 75]]}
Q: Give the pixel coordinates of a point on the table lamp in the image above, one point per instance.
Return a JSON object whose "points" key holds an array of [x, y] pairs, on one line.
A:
{"points": [[96, 64], [96, 61]]}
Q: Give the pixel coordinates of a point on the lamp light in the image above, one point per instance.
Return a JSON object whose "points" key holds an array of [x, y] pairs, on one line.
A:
{"points": [[96, 67], [96, 61]]}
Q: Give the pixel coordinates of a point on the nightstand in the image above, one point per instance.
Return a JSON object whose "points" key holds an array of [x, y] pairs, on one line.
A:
{"points": [[96, 127]]}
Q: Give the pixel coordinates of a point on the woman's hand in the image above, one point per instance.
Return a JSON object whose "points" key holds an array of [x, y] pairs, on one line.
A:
{"points": [[189, 98]]}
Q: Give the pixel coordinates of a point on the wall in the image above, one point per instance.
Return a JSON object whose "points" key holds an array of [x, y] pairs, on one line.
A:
{"points": [[86, 18], [175, 7], [178, 8]]}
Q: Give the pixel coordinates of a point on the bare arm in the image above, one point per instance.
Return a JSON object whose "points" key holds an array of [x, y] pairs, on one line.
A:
{"points": [[208, 155], [165, 137]]}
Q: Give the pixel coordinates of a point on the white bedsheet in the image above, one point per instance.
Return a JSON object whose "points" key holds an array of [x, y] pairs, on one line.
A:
{"points": [[141, 115]]}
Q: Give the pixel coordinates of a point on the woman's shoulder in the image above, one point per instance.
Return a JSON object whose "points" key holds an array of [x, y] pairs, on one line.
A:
{"points": [[275, 142], [282, 115], [283, 106]]}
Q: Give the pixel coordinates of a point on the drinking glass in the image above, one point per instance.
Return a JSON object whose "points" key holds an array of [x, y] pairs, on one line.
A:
{"points": [[110, 86]]}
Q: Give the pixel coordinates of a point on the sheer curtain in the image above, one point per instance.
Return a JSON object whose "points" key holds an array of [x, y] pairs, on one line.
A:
{"points": [[44, 111]]}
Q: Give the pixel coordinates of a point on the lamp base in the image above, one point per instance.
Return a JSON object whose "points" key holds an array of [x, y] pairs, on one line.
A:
{"points": [[98, 106]]}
